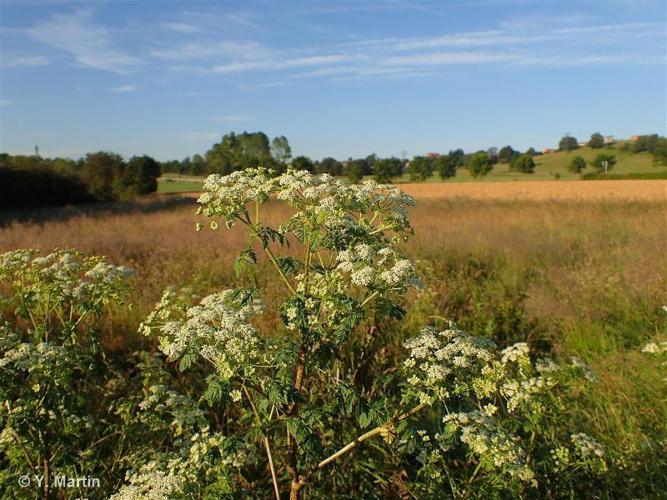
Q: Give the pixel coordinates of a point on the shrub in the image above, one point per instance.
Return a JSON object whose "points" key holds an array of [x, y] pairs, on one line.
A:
{"points": [[294, 403], [480, 164], [576, 165], [55, 386], [603, 162], [421, 168], [524, 164]]}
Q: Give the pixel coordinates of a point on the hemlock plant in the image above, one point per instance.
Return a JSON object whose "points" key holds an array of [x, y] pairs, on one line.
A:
{"points": [[293, 414]]}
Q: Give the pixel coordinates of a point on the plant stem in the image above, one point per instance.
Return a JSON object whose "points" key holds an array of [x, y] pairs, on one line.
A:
{"points": [[368, 435], [267, 445]]}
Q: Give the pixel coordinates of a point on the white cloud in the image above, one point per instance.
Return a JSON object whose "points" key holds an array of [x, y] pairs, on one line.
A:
{"points": [[124, 88], [272, 64], [207, 49], [89, 43], [447, 58], [181, 27], [22, 61]]}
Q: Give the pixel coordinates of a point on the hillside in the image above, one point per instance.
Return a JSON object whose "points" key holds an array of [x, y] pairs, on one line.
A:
{"points": [[549, 167]]}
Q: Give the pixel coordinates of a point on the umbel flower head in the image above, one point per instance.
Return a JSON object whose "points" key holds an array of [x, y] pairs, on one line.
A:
{"points": [[218, 329]]}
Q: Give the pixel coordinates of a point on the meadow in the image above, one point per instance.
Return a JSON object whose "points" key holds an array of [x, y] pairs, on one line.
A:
{"points": [[548, 167], [572, 268]]}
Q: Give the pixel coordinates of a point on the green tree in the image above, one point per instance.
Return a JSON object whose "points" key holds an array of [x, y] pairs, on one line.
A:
{"points": [[576, 165], [660, 151], [603, 162], [524, 164], [140, 176], [507, 154], [302, 163], [239, 151], [568, 143], [386, 169], [102, 172], [596, 141], [421, 168], [329, 166], [480, 164], [458, 156], [280, 149], [197, 165], [645, 143], [446, 166], [355, 170]]}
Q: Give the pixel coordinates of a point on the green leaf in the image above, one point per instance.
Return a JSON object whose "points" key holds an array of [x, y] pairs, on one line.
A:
{"points": [[247, 256]]}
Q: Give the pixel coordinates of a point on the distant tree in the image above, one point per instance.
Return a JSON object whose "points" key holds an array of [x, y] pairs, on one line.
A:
{"points": [[421, 168], [171, 166], [302, 163], [646, 143], [369, 163], [386, 169], [197, 165], [568, 143], [329, 166], [185, 166], [32, 182], [492, 152], [576, 165], [480, 164], [458, 156], [596, 141], [446, 166], [660, 151], [102, 172], [524, 164], [355, 170], [507, 154], [603, 162], [140, 176], [239, 151], [280, 149]]}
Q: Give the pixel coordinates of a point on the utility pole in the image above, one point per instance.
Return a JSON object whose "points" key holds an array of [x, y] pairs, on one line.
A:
{"points": [[36, 150]]}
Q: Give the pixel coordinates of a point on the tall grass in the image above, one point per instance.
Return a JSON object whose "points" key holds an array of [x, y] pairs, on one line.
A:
{"points": [[577, 278]]}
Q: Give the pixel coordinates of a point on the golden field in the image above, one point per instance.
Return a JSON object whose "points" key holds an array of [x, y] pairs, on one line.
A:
{"points": [[570, 190], [574, 268]]}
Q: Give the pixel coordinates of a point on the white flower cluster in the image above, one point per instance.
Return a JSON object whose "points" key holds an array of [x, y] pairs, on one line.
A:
{"points": [[586, 446], [322, 195], [206, 458], [442, 362], [589, 453], [62, 277], [219, 330], [656, 348], [381, 269], [227, 196], [490, 443]]}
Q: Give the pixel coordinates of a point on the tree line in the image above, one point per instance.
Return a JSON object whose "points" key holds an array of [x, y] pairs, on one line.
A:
{"points": [[29, 181], [240, 151], [104, 176]]}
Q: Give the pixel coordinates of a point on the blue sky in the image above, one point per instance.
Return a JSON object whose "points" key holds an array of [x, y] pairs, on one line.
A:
{"points": [[169, 78]]}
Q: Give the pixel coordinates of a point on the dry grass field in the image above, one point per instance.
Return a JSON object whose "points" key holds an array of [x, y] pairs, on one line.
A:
{"points": [[577, 268], [621, 190]]}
